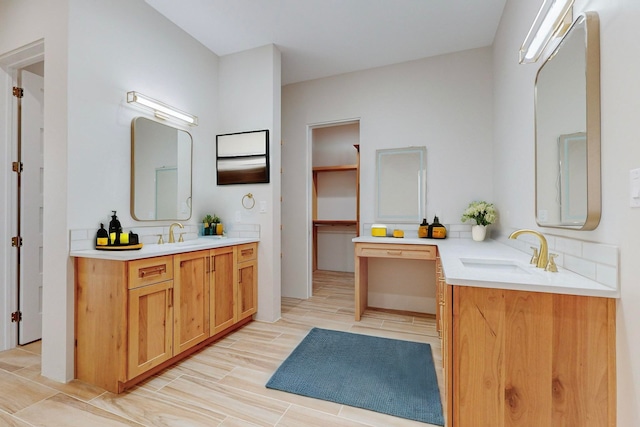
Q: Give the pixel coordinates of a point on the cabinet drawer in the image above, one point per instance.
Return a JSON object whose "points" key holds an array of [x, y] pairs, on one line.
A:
{"points": [[247, 252], [397, 251], [150, 270]]}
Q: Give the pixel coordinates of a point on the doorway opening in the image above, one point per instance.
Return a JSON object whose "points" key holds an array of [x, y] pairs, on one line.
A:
{"points": [[23, 195], [335, 195]]}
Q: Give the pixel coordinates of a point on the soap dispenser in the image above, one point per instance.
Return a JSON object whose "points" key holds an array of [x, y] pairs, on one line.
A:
{"points": [[114, 230], [423, 229], [437, 230], [102, 237]]}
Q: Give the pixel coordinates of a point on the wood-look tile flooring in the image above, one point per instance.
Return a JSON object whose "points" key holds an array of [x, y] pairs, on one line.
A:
{"points": [[223, 385]]}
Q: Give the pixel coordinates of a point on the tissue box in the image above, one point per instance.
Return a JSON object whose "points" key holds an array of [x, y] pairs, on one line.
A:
{"points": [[379, 230]]}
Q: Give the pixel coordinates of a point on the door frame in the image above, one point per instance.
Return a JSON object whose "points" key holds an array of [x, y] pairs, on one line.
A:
{"points": [[309, 173], [10, 63]]}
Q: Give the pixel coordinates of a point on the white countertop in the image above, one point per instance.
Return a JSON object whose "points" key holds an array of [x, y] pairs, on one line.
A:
{"points": [[149, 251], [491, 264]]}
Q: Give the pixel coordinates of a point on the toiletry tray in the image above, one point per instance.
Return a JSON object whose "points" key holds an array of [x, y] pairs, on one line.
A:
{"points": [[119, 247]]}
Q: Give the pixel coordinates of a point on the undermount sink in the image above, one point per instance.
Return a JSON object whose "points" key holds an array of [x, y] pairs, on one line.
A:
{"points": [[201, 241], [496, 265]]}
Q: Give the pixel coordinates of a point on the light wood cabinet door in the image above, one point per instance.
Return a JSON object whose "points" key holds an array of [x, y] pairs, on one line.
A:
{"points": [[150, 327], [533, 359], [446, 306], [101, 322], [191, 293], [223, 288], [247, 289]]}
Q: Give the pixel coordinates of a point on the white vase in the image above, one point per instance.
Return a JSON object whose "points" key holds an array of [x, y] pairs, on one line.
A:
{"points": [[478, 232]]}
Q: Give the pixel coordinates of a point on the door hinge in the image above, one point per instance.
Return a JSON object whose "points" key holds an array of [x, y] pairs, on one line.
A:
{"points": [[16, 241], [16, 316], [18, 92], [17, 167]]}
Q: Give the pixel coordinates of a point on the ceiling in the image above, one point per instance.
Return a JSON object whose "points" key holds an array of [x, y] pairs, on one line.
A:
{"points": [[320, 38]]}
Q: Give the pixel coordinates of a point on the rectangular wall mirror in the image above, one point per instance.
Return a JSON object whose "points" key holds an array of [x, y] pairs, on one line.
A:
{"points": [[243, 158], [160, 171], [401, 183], [567, 108]]}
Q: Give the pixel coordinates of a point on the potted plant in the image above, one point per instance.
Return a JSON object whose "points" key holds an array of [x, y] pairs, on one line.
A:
{"points": [[217, 227], [483, 214], [208, 228]]}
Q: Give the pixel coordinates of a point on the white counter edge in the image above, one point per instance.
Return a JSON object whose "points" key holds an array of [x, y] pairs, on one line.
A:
{"points": [[150, 251], [452, 250]]}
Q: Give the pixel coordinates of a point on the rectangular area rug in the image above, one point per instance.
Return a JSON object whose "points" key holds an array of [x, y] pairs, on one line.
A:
{"points": [[384, 375]]}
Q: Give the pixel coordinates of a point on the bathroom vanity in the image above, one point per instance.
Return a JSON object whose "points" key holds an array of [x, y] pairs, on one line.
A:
{"points": [[138, 312], [520, 346]]}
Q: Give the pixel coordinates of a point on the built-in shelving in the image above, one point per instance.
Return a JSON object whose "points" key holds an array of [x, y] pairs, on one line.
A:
{"points": [[334, 222]]}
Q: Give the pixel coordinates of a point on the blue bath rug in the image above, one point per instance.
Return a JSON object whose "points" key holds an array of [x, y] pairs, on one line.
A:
{"points": [[384, 375]]}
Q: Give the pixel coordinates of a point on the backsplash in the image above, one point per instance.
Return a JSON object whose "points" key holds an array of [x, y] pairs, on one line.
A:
{"points": [[595, 261], [455, 231], [148, 235]]}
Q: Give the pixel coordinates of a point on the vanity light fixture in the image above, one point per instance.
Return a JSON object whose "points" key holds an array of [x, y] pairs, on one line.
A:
{"points": [[160, 109], [553, 20]]}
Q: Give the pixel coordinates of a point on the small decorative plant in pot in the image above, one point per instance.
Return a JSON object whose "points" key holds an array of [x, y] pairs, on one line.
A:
{"points": [[217, 225], [483, 214], [209, 227]]}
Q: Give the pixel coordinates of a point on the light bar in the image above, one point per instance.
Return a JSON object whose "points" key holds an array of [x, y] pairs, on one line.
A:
{"points": [[160, 109], [553, 20]]}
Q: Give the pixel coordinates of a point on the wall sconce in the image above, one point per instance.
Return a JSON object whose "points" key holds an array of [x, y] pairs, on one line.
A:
{"points": [[160, 109], [553, 20]]}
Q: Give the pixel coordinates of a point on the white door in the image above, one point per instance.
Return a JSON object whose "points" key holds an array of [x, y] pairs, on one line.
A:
{"points": [[31, 207]]}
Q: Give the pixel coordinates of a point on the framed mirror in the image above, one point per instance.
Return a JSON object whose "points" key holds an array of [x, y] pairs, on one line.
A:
{"points": [[161, 158], [567, 125], [401, 183], [243, 158]]}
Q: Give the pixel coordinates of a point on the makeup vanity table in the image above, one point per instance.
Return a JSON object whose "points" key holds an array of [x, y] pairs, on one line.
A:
{"points": [[368, 248]]}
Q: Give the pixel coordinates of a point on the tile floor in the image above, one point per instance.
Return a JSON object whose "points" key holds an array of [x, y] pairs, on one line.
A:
{"points": [[223, 385]]}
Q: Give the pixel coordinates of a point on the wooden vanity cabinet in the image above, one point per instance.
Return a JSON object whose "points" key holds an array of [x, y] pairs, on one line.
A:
{"points": [[134, 318], [150, 330], [224, 288], [101, 322], [191, 299], [532, 359], [444, 324], [517, 358], [247, 280]]}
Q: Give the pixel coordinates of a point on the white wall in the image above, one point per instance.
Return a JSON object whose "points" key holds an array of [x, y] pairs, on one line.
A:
{"points": [[443, 103], [249, 99], [514, 161], [105, 50], [107, 58], [23, 23], [87, 124]]}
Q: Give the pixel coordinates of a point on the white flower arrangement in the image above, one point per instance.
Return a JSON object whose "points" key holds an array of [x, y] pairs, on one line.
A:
{"points": [[482, 213]]}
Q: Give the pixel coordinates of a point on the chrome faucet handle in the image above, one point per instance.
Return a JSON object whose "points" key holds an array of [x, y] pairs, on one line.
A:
{"points": [[535, 256], [181, 238], [551, 266], [160, 240]]}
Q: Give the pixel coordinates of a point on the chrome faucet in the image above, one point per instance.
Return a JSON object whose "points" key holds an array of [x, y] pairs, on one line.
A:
{"points": [[543, 255], [172, 238]]}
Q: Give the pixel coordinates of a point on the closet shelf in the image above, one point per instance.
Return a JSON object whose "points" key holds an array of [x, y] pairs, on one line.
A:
{"points": [[336, 168], [317, 223], [320, 222]]}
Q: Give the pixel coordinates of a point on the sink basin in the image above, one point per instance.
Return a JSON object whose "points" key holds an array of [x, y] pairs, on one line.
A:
{"points": [[192, 243], [496, 265]]}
